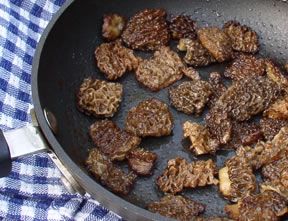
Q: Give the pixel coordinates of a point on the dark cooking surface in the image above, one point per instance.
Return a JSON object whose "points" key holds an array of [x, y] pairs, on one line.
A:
{"points": [[68, 57]]}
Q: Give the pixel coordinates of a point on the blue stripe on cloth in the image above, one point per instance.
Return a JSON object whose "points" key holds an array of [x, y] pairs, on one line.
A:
{"points": [[33, 190]]}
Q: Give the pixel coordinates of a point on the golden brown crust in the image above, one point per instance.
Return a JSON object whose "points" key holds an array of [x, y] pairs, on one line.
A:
{"points": [[237, 179], [274, 73], [217, 42], [113, 25], [243, 38], [147, 30], [182, 26], [278, 110], [162, 70], [245, 66], [99, 98], [113, 142], [201, 140], [179, 174], [267, 206], [196, 54], [141, 161], [265, 153], [177, 207], [114, 60], [150, 118], [191, 73], [271, 127], [190, 96], [109, 175]]}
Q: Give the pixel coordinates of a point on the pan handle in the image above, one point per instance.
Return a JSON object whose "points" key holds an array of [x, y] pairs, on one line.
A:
{"points": [[29, 140], [5, 157]]}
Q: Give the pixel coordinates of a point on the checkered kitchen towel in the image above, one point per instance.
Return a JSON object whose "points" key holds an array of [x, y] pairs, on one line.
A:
{"points": [[33, 190]]}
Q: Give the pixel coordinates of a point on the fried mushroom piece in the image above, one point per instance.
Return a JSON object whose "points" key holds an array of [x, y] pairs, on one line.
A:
{"points": [[177, 207], [196, 54], [245, 66], [162, 70], [182, 26], [265, 152], [150, 118], [243, 38], [274, 73], [141, 161], [180, 174], [219, 125], [286, 67], [218, 88], [275, 176], [248, 97], [266, 206], [191, 73], [271, 127], [201, 140], [191, 96], [114, 60], [99, 98], [108, 174], [113, 25], [236, 179], [111, 140], [244, 133], [217, 42], [278, 110], [213, 218], [147, 30]]}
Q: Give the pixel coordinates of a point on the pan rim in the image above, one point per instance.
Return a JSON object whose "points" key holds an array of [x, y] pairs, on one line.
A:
{"points": [[108, 199]]}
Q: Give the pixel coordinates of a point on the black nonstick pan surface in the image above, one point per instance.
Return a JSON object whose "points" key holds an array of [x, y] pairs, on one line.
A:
{"points": [[65, 57]]}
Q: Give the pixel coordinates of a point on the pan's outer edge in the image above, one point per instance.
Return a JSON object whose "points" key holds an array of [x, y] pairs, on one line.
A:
{"points": [[114, 203]]}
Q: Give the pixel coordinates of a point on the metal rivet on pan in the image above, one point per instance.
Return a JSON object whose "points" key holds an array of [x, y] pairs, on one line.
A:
{"points": [[51, 120]]}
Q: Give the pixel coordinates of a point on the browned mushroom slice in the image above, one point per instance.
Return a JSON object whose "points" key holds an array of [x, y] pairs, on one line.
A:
{"points": [[201, 140], [244, 133], [248, 97], [243, 38], [111, 140], [141, 161], [275, 74], [160, 71], [196, 54], [286, 67], [113, 25], [278, 110], [265, 153], [213, 218], [236, 179], [245, 66], [147, 30], [114, 60], [150, 118], [179, 174], [191, 96], [276, 176], [271, 127], [108, 174], [182, 26], [267, 206], [191, 73], [219, 125], [99, 98], [218, 88], [217, 42], [177, 207]]}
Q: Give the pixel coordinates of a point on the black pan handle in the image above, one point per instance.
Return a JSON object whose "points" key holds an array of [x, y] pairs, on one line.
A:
{"points": [[5, 157]]}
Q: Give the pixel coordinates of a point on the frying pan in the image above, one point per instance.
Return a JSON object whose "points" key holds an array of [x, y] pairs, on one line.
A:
{"points": [[65, 57]]}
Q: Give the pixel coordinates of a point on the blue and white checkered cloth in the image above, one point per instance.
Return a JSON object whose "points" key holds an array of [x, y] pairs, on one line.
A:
{"points": [[33, 190]]}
